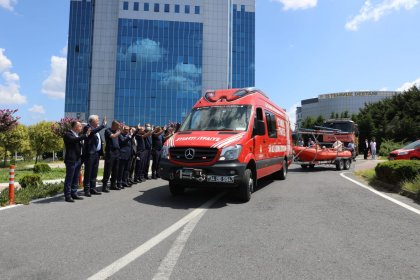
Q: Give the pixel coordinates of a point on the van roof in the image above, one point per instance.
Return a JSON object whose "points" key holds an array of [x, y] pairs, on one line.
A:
{"points": [[239, 96]]}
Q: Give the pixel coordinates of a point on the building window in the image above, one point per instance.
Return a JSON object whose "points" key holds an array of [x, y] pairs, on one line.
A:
{"points": [[125, 6], [136, 6], [197, 10], [133, 57], [177, 9], [187, 9], [242, 8], [166, 8], [146, 7], [235, 7], [156, 8]]}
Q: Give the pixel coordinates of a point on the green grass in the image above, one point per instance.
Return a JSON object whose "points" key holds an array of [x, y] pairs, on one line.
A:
{"points": [[368, 174], [412, 186], [24, 196]]}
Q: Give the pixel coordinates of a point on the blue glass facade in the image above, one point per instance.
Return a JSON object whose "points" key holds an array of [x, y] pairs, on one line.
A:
{"points": [[243, 47], [79, 57], [158, 76]]}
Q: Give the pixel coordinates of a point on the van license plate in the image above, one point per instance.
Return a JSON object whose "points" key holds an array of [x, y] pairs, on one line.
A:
{"points": [[220, 179]]}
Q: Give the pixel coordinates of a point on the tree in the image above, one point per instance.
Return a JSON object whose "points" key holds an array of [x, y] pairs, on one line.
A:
{"points": [[43, 139], [396, 118], [13, 140], [7, 120]]}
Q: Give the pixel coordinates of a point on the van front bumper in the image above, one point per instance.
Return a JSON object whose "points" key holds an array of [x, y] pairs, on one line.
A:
{"points": [[221, 174]]}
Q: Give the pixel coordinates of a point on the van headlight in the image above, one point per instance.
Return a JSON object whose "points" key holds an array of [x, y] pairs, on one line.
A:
{"points": [[165, 152], [231, 153]]}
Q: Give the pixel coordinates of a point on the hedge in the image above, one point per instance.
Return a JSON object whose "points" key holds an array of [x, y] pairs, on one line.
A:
{"points": [[31, 180], [24, 196], [42, 168], [397, 171]]}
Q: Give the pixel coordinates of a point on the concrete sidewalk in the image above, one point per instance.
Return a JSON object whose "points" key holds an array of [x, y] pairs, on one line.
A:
{"points": [[364, 164]]}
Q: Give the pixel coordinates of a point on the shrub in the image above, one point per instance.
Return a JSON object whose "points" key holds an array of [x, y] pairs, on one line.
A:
{"points": [[398, 171], [31, 180], [42, 168], [388, 146]]}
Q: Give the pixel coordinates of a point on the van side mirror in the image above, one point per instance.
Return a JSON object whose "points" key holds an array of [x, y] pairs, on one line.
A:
{"points": [[259, 128]]}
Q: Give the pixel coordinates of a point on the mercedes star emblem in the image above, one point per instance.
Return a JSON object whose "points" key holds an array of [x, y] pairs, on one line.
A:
{"points": [[189, 153]]}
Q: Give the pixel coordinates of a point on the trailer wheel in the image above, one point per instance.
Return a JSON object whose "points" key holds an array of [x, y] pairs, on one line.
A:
{"points": [[339, 164], [311, 166], [304, 166], [246, 186], [176, 189], [347, 164]]}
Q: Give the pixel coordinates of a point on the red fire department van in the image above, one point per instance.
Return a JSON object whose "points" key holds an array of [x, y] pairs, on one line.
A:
{"points": [[230, 139]]}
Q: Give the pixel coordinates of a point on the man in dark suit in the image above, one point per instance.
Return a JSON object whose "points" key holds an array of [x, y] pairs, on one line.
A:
{"points": [[92, 150], [148, 151], [157, 144], [131, 177], [112, 156], [142, 154], [72, 159], [125, 156]]}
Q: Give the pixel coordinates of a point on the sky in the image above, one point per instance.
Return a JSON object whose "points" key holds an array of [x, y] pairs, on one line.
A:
{"points": [[303, 48]]}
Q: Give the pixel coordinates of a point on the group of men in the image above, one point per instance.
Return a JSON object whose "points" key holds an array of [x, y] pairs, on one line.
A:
{"points": [[128, 151]]}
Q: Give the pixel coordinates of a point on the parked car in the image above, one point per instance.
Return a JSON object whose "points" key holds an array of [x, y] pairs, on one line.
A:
{"points": [[411, 151]]}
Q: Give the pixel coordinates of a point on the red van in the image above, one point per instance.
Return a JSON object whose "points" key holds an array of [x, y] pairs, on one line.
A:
{"points": [[230, 139]]}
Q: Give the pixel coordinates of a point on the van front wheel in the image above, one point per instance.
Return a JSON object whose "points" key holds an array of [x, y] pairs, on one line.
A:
{"points": [[246, 186]]}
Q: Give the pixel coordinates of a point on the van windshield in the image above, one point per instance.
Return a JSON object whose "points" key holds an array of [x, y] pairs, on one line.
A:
{"points": [[218, 118]]}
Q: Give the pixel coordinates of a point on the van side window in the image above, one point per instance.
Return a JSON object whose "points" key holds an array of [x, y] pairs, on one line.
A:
{"points": [[271, 124], [258, 117]]}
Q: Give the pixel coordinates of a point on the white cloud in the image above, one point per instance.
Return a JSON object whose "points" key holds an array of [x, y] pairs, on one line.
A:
{"points": [[54, 86], [297, 4], [408, 85], [374, 12], [292, 114], [8, 4], [37, 109], [143, 50], [10, 86]]}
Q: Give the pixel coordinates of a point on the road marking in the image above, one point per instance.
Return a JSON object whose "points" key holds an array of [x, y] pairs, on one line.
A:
{"points": [[11, 206], [167, 265], [406, 206], [152, 242]]}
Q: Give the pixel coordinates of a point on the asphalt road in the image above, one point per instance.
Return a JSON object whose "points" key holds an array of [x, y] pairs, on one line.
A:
{"points": [[314, 225]]}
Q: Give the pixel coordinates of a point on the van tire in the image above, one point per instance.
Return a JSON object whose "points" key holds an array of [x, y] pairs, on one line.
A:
{"points": [[304, 166], [282, 173], [176, 189], [246, 186]]}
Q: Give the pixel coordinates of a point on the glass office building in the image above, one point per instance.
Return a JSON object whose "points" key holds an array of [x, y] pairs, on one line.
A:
{"points": [[150, 61]]}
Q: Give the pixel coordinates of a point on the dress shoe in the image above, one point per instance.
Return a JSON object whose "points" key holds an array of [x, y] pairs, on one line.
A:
{"points": [[114, 188], [154, 177], [105, 190], [87, 194], [76, 197], [120, 186], [137, 181], [125, 185], [69, 199], [95, 192]]}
